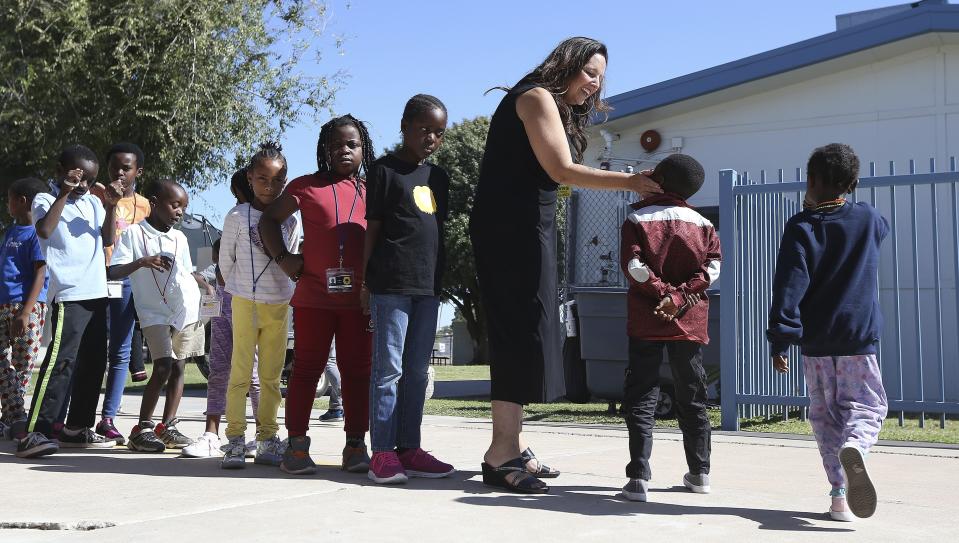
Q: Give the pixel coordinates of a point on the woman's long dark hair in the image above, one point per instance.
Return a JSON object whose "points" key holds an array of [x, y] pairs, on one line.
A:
{"points": [[554, 74]]}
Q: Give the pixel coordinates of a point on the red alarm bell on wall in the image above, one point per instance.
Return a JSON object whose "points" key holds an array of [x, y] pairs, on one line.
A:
{"points": [[650, 140]]}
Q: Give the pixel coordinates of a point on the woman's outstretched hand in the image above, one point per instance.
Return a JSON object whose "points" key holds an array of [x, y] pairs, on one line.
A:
{"points": [[642, 184]]}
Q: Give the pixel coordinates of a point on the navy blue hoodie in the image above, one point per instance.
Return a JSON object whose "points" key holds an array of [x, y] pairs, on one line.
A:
{"points": [[826, 289]]}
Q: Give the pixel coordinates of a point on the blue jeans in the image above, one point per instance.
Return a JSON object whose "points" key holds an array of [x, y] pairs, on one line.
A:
{"points": [[404, 329], [121, 315]]}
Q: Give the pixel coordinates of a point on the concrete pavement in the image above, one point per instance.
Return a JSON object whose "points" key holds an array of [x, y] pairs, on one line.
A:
{"points": [[768, 489]]}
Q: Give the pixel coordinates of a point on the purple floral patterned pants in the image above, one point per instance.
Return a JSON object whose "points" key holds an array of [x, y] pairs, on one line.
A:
{"points": [[847, 404], [221, 357]]}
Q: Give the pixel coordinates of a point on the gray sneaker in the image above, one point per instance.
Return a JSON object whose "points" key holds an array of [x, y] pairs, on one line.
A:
{"points": [[35, 445], [698, 482], [860, 492], [234, 454], [296, 457], [356, 459], [270, 452], [143, 438], [635, 490], [172, 437]]}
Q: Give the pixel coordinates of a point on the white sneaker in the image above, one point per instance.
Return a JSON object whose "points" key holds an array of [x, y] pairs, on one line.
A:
{"points": [[860, 492], [206, 446], [839, 509]]}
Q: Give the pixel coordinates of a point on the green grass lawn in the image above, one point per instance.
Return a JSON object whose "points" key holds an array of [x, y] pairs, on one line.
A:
{"points": [[585, 413], [192, 380], [909, 431], [462, 373], [595, 413]]}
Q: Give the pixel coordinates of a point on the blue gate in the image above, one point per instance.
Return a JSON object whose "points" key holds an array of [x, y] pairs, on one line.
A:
{"points": [[919, 267]]}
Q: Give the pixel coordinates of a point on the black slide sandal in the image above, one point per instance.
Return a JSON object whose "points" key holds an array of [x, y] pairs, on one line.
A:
{"points": [[524, 485], [544, 471]]}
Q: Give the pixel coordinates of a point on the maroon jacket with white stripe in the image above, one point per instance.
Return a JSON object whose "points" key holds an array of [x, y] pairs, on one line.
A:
{"points": [[668, 249]]}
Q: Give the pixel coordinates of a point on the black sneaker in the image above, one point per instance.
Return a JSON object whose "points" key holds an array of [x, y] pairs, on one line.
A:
{"points": [[172, 437], [36, 444], [332, 415], [84, 439], [144, 439]]}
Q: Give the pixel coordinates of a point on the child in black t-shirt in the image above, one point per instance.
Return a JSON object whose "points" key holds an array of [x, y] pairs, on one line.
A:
{"points": [[404, 259]]}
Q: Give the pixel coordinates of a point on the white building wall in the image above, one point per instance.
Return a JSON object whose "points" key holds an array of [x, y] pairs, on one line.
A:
{"points": [[902, 108], [893, 109]]}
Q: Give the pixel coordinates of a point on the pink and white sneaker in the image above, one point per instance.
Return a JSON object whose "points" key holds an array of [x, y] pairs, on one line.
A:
{"points": [[419, 463], [385, 469]]}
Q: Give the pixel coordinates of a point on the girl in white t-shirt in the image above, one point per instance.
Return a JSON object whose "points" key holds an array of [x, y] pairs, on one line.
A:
{"points": [[261, 299]]}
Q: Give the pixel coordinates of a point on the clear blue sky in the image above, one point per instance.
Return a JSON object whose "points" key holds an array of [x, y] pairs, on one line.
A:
{"points": [[456, 50]]}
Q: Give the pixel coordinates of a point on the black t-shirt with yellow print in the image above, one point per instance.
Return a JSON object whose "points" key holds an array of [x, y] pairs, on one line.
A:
{"points": [[411, 202]]}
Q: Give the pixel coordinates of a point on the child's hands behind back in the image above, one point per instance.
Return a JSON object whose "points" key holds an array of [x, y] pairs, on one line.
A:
{"points": [[780, 363], [666, 310]]}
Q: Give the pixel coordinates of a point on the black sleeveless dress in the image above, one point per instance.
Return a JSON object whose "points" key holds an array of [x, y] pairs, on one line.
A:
{"points": [[513, 231]]}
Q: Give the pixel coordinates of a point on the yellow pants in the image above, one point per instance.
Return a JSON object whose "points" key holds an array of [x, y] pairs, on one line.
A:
{"points": [[262, 329]]}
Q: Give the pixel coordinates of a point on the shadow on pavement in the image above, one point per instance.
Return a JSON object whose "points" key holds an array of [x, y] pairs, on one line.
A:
{"points": [[582, 500]]}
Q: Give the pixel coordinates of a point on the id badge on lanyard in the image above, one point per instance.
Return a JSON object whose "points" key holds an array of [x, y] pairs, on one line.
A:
{"points": [[209, 306], [339, 280], [114, 289]]}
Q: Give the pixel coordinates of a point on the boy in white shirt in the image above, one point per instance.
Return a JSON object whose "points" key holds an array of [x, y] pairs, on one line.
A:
{"points": [[73, 227], [156, 257]]}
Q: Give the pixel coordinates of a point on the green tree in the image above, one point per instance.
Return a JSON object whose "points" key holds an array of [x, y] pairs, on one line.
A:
{"points": [[460, 155], [196, 84]]}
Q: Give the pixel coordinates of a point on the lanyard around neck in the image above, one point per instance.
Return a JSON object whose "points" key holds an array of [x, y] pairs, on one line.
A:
{"points": [[176, 244], [336, 210], [249, 232]]}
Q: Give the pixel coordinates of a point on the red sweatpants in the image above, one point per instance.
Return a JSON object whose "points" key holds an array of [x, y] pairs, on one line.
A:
{"points": [[313, 332]]}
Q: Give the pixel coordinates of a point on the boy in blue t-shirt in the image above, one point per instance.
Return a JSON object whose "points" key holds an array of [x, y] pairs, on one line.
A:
{"points": [[826, 300], [23, 296], [73, 227]]}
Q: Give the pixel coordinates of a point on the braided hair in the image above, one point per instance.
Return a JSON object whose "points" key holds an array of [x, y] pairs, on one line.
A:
{"points": [[326, 138], [419, 104], [270, 150], [240, 187]]}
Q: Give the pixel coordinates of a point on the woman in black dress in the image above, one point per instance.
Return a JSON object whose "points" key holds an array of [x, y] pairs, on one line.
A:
{"points": [[536, 142]]}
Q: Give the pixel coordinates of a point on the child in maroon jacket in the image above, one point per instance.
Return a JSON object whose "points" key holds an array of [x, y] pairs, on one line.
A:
{"points": [[671, 255]]}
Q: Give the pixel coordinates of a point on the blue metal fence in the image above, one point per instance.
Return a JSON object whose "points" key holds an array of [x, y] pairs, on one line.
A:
{"points": [[919, 268]]}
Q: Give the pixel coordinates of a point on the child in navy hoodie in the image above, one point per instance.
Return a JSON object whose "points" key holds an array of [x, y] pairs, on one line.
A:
{"points": [[826, 300], [671, 255]]}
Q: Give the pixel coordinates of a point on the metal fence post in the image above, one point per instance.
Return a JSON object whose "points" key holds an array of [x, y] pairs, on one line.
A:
{"points": [[729, 300]]}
